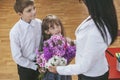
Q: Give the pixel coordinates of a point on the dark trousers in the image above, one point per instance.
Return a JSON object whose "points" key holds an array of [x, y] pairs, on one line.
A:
{"points": [[53, 76], [27, 74], [103, 77]]}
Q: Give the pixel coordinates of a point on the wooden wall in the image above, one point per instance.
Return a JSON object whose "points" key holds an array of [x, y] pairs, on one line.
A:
{"points": [[71, 13]]}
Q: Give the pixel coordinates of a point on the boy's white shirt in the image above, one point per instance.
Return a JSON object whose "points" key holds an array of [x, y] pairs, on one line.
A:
{"points": [[24, 39], [90, 57]]}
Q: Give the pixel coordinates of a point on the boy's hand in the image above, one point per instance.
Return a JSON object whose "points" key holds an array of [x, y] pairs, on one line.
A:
{"points": [[41, 70]]}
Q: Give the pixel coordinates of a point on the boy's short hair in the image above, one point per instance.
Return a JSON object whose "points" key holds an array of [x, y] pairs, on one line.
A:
{"points": [[21, 4]]}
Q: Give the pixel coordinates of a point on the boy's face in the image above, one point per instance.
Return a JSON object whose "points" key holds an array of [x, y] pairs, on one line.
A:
{"points": [[54, 30], [28, 13]]}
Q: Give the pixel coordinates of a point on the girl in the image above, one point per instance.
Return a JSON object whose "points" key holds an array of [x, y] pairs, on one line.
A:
{"points": [[93, 36], [52, 25]]}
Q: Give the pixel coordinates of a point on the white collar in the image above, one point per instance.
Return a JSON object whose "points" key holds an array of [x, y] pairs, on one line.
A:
{"points": [[25, 24], [79, 27]]}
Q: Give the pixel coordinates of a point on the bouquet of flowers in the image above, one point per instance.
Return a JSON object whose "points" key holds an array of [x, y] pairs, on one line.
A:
{"points": [[56, 52]]}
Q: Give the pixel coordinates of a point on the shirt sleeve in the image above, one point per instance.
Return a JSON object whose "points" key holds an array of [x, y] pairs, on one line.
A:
{"points": [[17, 54], [94, 48]]}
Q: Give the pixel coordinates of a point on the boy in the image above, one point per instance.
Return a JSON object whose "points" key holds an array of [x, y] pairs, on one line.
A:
{"points": [[24, 39]]}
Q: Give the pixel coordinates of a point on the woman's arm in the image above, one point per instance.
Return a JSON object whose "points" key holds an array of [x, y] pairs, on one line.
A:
{"points": [[94, 48]]}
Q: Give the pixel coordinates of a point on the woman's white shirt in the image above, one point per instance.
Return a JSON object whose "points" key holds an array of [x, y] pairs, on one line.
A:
{"points": [[90, 57]]}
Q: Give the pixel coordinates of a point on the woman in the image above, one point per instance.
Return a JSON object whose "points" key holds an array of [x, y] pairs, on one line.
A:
{"points": [[93, 36]]}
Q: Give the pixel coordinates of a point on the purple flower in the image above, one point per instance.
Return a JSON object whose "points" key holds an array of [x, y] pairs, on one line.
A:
{"points": [[55, 46], [70, 53]]}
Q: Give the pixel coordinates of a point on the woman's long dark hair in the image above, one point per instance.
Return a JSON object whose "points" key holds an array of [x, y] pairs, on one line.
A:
{"points": [[103, 14]]}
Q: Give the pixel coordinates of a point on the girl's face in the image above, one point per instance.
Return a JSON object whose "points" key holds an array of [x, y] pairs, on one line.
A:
{"points": [[54, 30]]}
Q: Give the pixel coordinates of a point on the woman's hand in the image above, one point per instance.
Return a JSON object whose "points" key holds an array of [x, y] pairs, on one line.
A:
{"points": [[52, 69]]}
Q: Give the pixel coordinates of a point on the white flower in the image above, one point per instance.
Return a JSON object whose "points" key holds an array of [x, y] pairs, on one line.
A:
{"points": [[56, 61], [63, 62]]}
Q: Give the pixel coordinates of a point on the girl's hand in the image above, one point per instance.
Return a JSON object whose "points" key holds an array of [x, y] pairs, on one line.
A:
{"points": [[52, 69], [70, 41]]}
